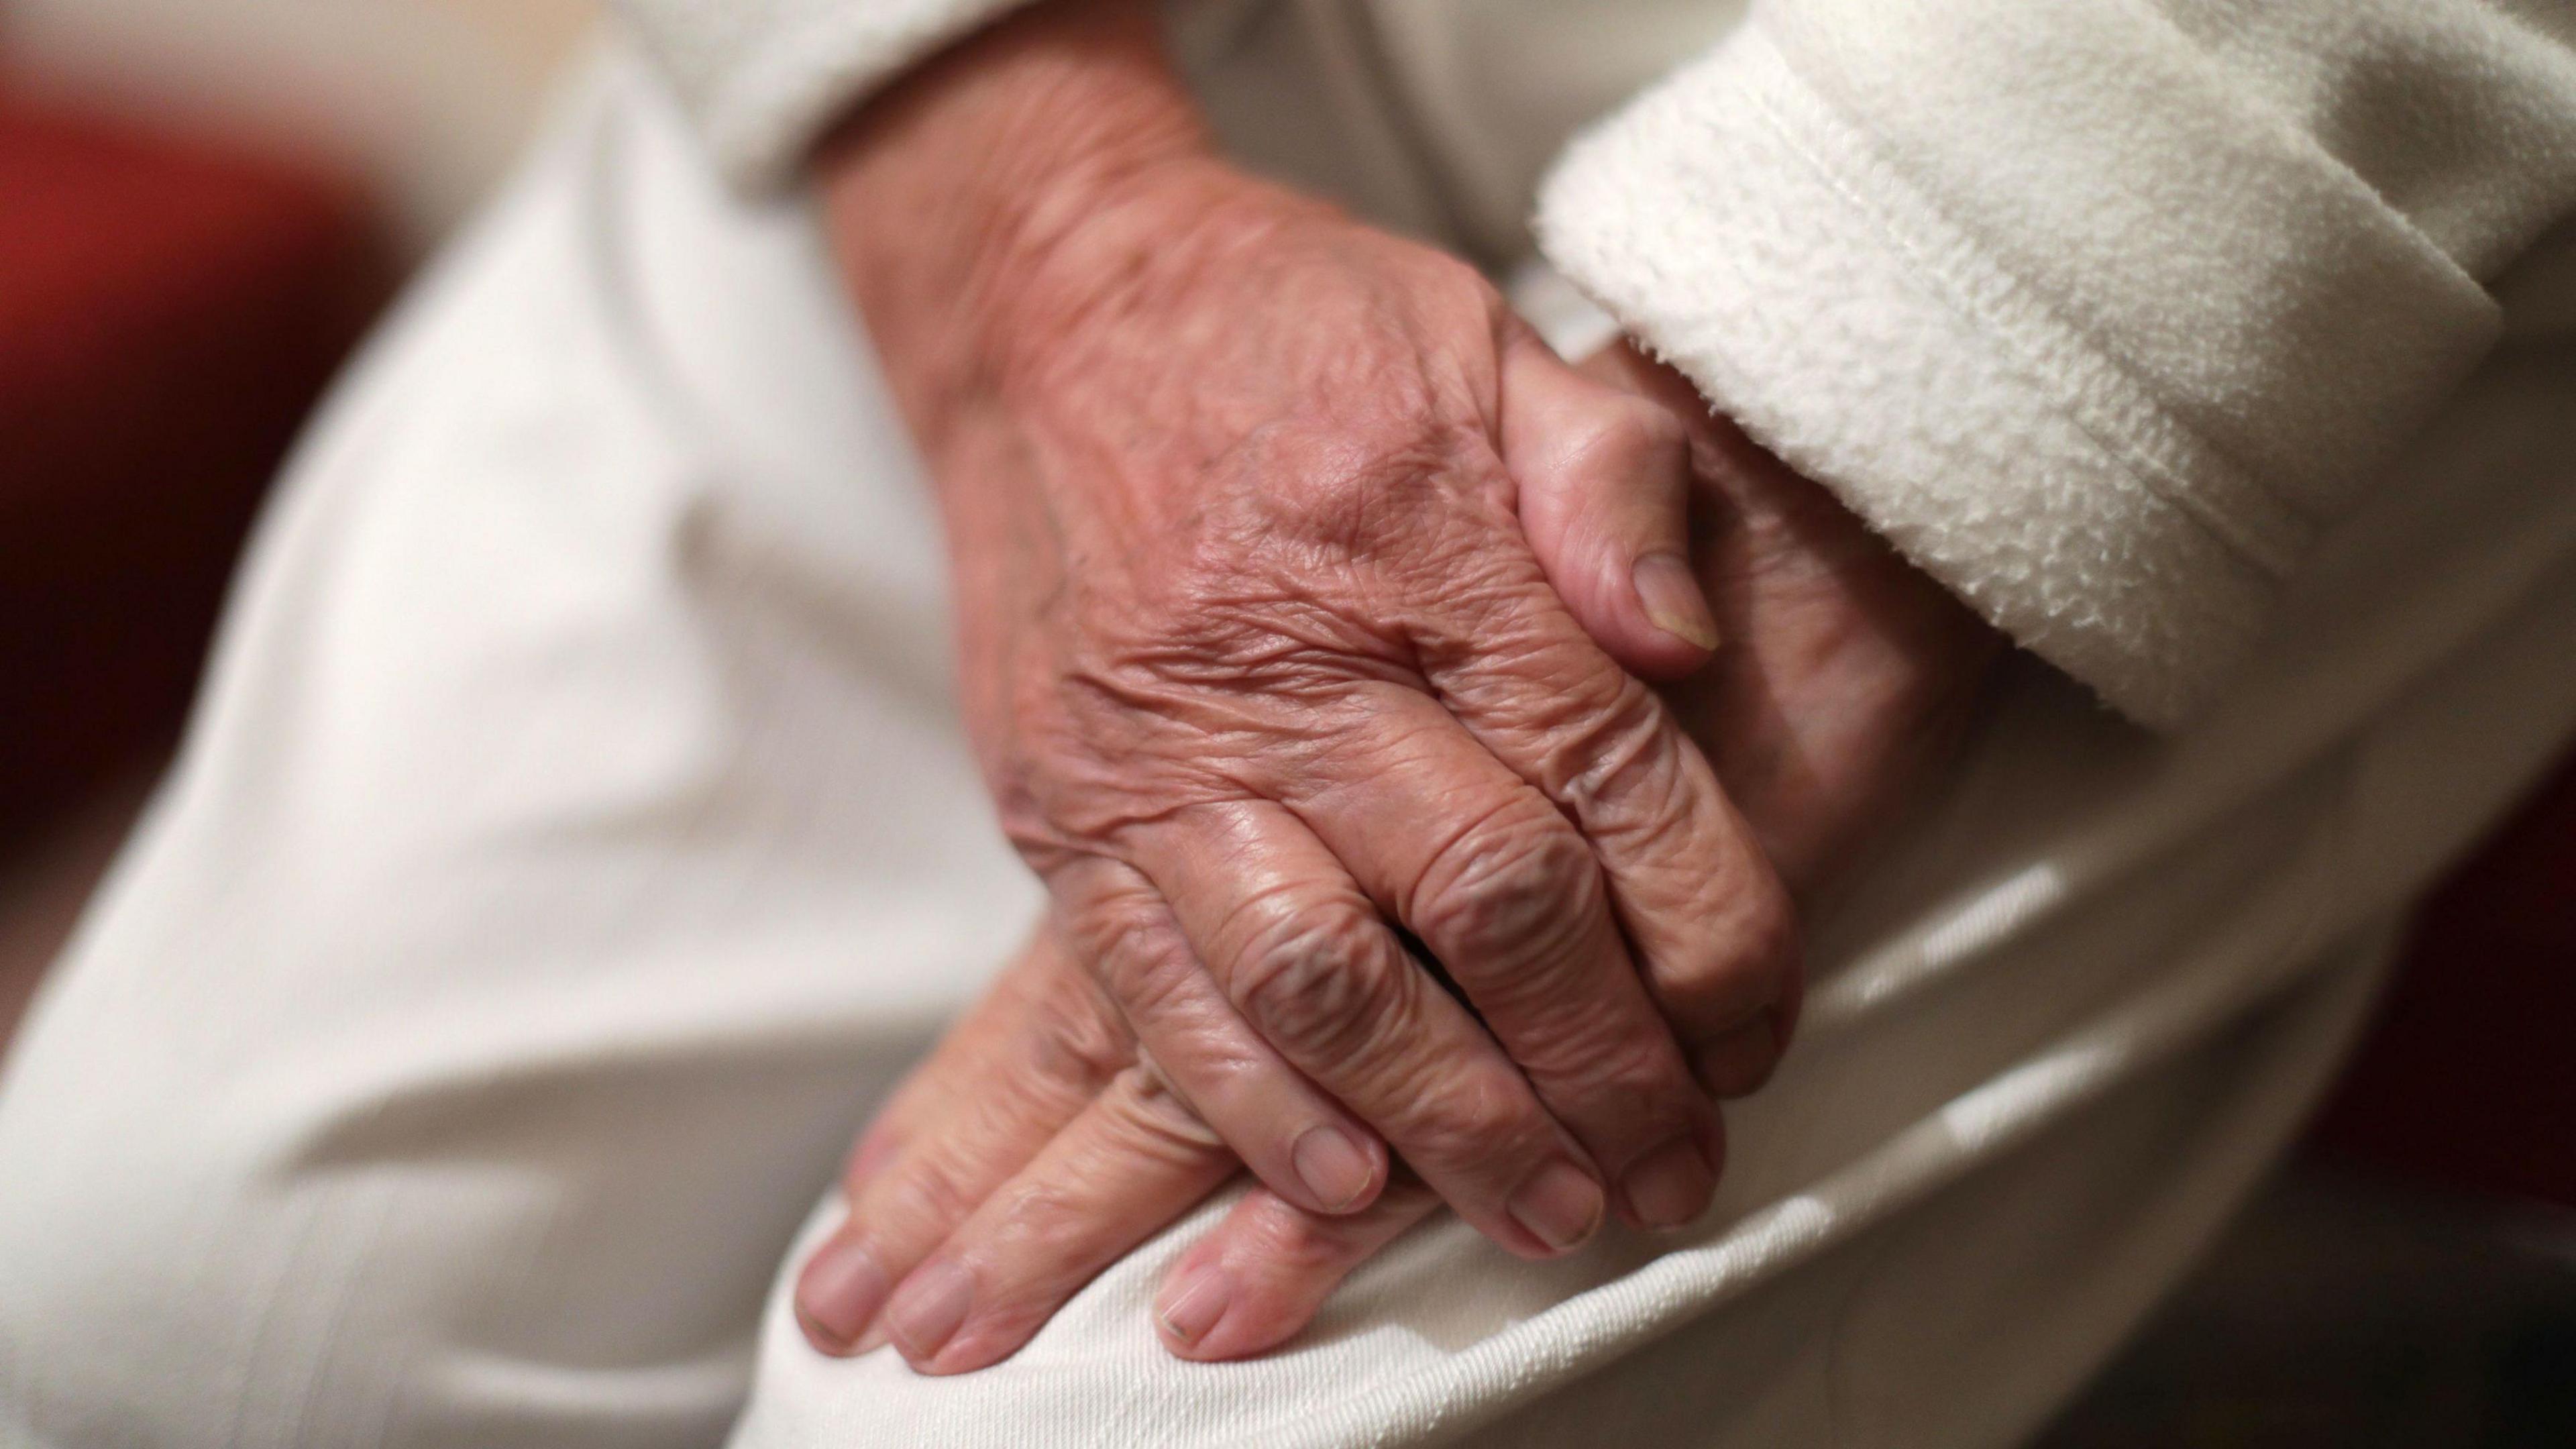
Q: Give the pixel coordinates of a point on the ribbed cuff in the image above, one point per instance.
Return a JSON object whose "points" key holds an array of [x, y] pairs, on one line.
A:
{"points": [[1747, 235]]}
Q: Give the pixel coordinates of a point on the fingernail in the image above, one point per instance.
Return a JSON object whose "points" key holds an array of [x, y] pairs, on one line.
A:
{"points": [[1192, 1302], [1671, 594], [1670, 1185], [1560, 1203], [840, 1290], [929, 1307], [1332, 1166], [1742, 1060]]}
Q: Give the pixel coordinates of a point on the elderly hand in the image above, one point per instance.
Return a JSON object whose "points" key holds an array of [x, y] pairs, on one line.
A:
{"points": [[1038, 1146], [1261, 664]]}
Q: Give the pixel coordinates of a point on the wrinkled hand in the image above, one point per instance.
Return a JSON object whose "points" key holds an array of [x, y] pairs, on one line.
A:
{"points": [[1848, 673], [1038, 1145], [1261, 664]]}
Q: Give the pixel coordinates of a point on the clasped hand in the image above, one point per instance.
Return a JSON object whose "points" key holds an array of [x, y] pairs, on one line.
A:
{"points": [[1303, 600]]}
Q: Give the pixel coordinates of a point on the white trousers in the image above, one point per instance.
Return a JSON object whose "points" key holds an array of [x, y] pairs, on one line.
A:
{"points": [[576, 839]]}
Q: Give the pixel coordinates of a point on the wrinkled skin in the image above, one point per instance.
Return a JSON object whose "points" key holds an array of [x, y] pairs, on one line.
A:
{"points": [[1039, 1143], [1262, 663]]}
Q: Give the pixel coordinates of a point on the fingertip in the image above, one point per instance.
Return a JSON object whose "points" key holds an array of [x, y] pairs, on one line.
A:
{"points": [[1655, 621], [1668, 1188], [1648, 651], [928, 1310], [1241, 1334], [961, 1358], [1196, 1297], [1669, 596], [1605, 486], [1261, 1277], [1207, 1313], [838, 1294], [822, 1340], [1340, 1172], [1561, 1204]]}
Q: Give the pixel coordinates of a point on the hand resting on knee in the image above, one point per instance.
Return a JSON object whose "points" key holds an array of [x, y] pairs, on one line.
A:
{"points": [[1266, 665], [1040, 1143]]}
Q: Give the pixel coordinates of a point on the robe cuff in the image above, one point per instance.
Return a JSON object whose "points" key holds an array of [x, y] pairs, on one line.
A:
{"points": [[1747, 234]]}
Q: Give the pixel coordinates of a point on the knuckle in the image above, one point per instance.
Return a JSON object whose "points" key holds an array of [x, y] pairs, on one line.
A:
{"points": [[1664, 432], [1768, 926], [1286, 1242], [1510, 893], [1751, 962], [1627, 436], [1131, 948], [927, 1193], [1616, 765], [1760, 939], [1081, 1045], [1116, 934], [1037, 1220], [1291, 1255], [1408, 504], [1462, 286], [1160, 1114], [1320, 983], [1361, 478]]}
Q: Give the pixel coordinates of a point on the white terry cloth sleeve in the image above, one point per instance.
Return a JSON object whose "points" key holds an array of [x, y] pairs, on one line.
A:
{"points": [[763, 78], [2101, 310]]}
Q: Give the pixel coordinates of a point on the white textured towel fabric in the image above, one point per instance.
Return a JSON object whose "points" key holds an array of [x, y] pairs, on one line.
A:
{"points": [[2103, 311], [576, 839]]}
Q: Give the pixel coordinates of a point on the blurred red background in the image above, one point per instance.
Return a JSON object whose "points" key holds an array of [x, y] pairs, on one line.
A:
{"points": [[169, 310]]}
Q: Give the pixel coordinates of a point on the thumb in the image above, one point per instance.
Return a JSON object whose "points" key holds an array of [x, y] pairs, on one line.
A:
{"points": [[1604, 481]]}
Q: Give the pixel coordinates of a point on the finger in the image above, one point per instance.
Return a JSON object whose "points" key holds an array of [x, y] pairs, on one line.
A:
{"points": [[1708, 918], [993, 1035], [1604, 481], [1313, 966], [1026, 1060], [1504, 893], [1136, 1159], [1294, 1137], [1261, 1276]]}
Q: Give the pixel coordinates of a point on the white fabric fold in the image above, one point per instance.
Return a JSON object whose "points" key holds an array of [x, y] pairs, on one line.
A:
{"points": [[764, 78]]}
